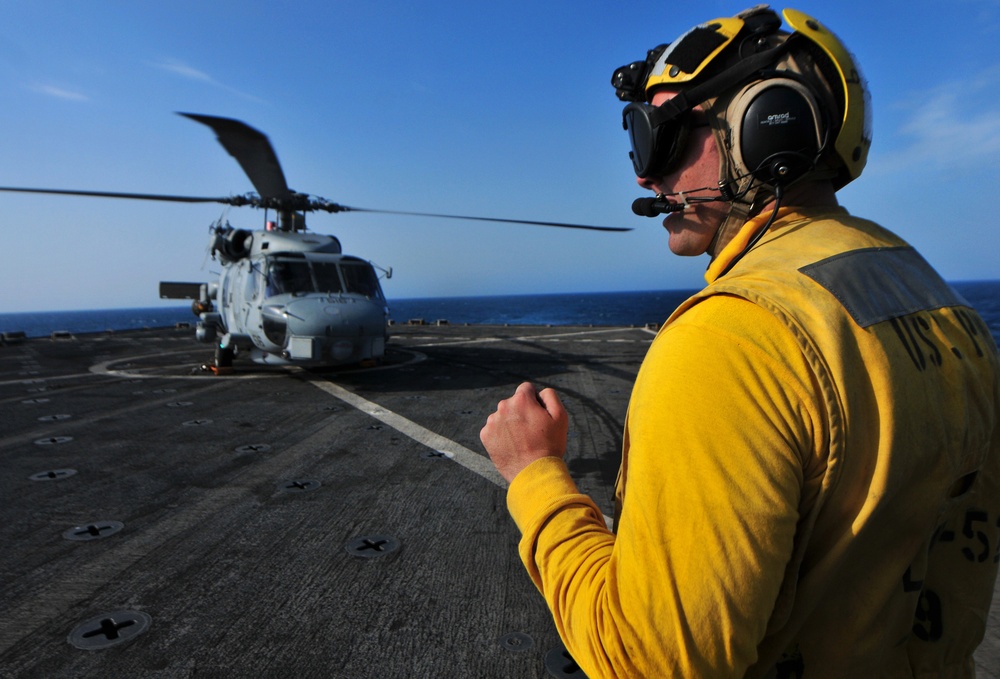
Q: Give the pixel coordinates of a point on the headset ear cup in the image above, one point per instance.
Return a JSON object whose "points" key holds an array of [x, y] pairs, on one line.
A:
{"points": [[777, 130], [785, 168]]}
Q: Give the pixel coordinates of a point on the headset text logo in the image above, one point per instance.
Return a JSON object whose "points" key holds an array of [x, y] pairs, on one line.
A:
{"points": [[777, 119]]}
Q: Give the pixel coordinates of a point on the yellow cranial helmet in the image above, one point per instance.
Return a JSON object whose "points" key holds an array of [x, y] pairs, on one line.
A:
{"points": [[766, 86]]}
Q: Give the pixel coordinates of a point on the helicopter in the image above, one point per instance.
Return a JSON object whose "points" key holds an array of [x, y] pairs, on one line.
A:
{"points": [[285, 296]]}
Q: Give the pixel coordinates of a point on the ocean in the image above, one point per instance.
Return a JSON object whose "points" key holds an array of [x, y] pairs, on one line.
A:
{"points": [[603, 309]]}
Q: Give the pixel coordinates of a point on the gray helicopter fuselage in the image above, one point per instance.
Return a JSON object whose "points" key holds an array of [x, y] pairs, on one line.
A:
{"points": [[293, 298]]}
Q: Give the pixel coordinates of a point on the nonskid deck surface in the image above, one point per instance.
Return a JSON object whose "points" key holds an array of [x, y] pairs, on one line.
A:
{"points": [[161, 521], [280, 522]]}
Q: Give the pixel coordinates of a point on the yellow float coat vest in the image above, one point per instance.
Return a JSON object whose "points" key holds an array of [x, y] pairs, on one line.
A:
{"points": [[897, 546], [810, 484]]}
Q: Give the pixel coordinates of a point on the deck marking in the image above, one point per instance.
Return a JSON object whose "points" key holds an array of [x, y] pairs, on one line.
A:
{"points": [[536, 338], [472, 461], [147, 372], [161, 371], [28, 381]]}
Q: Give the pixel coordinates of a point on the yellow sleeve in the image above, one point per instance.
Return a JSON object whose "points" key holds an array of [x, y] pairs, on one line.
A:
{"points": [[721, 424]]}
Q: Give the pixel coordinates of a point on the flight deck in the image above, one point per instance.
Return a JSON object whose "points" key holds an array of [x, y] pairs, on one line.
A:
{"points": [[159, 520]]}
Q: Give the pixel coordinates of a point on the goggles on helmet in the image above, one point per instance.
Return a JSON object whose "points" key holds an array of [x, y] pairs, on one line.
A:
{"points": [[658, 136], [700, 66]]}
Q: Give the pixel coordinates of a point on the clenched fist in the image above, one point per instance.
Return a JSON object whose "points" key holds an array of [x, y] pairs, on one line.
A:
{"points": [[525, 427]]}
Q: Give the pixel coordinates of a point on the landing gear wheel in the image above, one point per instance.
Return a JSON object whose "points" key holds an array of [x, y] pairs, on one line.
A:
{"points": [[223, 360]]}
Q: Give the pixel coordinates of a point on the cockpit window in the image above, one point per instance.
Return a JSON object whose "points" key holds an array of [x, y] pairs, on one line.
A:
{"points": [[286, 276], [360, 278], [291, 274], [327, 279]]}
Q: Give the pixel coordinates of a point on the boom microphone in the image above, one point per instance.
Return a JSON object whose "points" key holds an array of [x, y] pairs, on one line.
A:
{"points": [[651, 207]]}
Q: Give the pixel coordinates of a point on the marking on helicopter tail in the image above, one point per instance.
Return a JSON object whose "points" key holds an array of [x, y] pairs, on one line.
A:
{"points": [[472, 461]]}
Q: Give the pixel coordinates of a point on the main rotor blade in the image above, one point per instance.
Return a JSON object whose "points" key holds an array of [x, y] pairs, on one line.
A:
{"points": [[325, 206], [252, 151], [227, 200], [501, 220]]}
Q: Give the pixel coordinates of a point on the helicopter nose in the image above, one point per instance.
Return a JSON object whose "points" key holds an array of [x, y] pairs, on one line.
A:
{"points": [[317, 315], [322, 328], [275, 323]]}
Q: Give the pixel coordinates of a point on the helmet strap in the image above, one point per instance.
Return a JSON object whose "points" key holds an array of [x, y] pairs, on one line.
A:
{"points": [[740, 211], [741, 206]]}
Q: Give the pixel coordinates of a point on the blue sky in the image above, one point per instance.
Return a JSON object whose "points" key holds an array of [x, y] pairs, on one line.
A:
{"points": [[493, 109]]}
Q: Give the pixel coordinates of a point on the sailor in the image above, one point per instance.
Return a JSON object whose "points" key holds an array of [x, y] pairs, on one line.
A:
{"points": [[810, 478]]}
